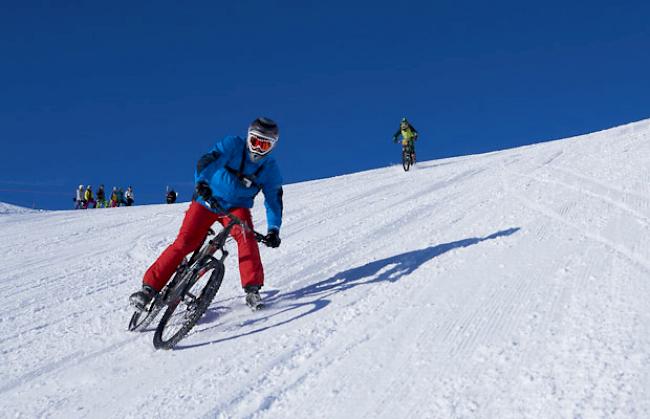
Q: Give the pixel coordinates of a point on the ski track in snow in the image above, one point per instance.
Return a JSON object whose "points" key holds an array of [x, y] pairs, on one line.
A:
{"points": [[512, 284]]}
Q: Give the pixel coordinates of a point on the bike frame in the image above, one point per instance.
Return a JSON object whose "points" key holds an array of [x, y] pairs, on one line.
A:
{"points": [[409, 147], [205, 260]]}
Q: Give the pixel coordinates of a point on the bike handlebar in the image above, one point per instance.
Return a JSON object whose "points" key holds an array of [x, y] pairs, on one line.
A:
{"points": [[214, 204]]}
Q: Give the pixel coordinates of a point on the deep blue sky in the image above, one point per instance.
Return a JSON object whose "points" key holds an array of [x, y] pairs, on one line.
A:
{"points": [[134, 92]]}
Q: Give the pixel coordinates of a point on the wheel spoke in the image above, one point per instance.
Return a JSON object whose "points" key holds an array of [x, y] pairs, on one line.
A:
{"points": [[181, 317]]}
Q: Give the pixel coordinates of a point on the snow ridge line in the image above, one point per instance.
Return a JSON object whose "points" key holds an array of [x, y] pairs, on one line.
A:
{"points": [[620, 249]]}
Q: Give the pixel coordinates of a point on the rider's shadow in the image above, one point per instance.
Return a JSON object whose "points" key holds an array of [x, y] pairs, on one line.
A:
{"points": [[390, 269], [317, 296]]}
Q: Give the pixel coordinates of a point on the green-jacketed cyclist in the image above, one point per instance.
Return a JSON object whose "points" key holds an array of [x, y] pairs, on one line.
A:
{"points": [[409, 135]]}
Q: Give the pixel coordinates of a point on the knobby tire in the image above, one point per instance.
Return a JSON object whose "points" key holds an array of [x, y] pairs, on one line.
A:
{"points": [[202, 303], [140, 320], [406, 160]]}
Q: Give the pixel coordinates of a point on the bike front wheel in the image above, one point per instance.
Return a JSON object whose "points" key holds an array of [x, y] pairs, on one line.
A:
{"points": [[183, 313], [406, 160], [141, 319]]}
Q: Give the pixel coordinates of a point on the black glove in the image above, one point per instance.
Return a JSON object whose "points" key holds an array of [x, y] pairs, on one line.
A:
{"points": [[203, 190], [272, 239]]}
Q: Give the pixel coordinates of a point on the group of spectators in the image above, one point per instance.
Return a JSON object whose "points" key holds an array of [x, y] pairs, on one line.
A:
{"points": [[86, 198]]}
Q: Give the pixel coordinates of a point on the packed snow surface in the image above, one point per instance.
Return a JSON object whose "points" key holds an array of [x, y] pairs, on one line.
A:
{"points": [[14, 209], [514, 284]]}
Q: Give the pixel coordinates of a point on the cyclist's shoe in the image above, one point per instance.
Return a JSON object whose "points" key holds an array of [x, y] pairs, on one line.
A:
{"points": [[253, 298], [140, 299]]}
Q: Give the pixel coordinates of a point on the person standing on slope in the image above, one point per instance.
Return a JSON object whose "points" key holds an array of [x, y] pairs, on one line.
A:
{"points": [[79, 198], [130, 196], [171, 196], [101, 197], [89, 197], [232, 173], [114, 198], [120, 197], [409, 135]]}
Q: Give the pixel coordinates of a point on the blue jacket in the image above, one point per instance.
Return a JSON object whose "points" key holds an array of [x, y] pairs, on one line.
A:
{"points": [[227, 167]]}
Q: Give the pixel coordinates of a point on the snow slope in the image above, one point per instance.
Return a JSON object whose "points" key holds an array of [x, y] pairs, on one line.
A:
{"points": [[513, 284], [14, 209]]}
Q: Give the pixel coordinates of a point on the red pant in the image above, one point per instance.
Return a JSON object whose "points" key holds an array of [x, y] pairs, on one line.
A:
{"points": [[198, 220]]}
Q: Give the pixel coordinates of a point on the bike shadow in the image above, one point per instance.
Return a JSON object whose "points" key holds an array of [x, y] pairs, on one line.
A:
{"points": [[425, 166], [315, 297]]}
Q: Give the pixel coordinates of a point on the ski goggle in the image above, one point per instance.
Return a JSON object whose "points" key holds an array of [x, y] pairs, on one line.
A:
{"points": [[259, 143]]}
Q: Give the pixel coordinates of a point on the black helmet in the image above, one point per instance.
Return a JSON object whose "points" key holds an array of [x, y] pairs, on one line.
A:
{"points": [[263, 134]]}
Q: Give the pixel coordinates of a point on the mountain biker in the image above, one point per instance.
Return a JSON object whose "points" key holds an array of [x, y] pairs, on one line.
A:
{"points": [[409, 135], [232, 173]]}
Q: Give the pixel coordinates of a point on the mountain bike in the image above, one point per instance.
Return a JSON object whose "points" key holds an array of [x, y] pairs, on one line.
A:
{"points": [[408, 156], [189, 294]]}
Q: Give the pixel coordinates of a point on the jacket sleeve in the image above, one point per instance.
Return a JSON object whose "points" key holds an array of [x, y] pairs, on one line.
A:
{"points": [[272, 190], [413, 129], [397, 133], [213, 160]]}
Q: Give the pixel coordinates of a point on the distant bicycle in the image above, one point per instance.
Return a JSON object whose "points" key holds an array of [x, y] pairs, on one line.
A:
{"points": [[408, 156], [189, 294], [409, 135]]}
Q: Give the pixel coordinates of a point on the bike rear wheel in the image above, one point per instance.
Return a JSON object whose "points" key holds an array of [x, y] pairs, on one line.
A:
{"points": [[181, 315]]}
